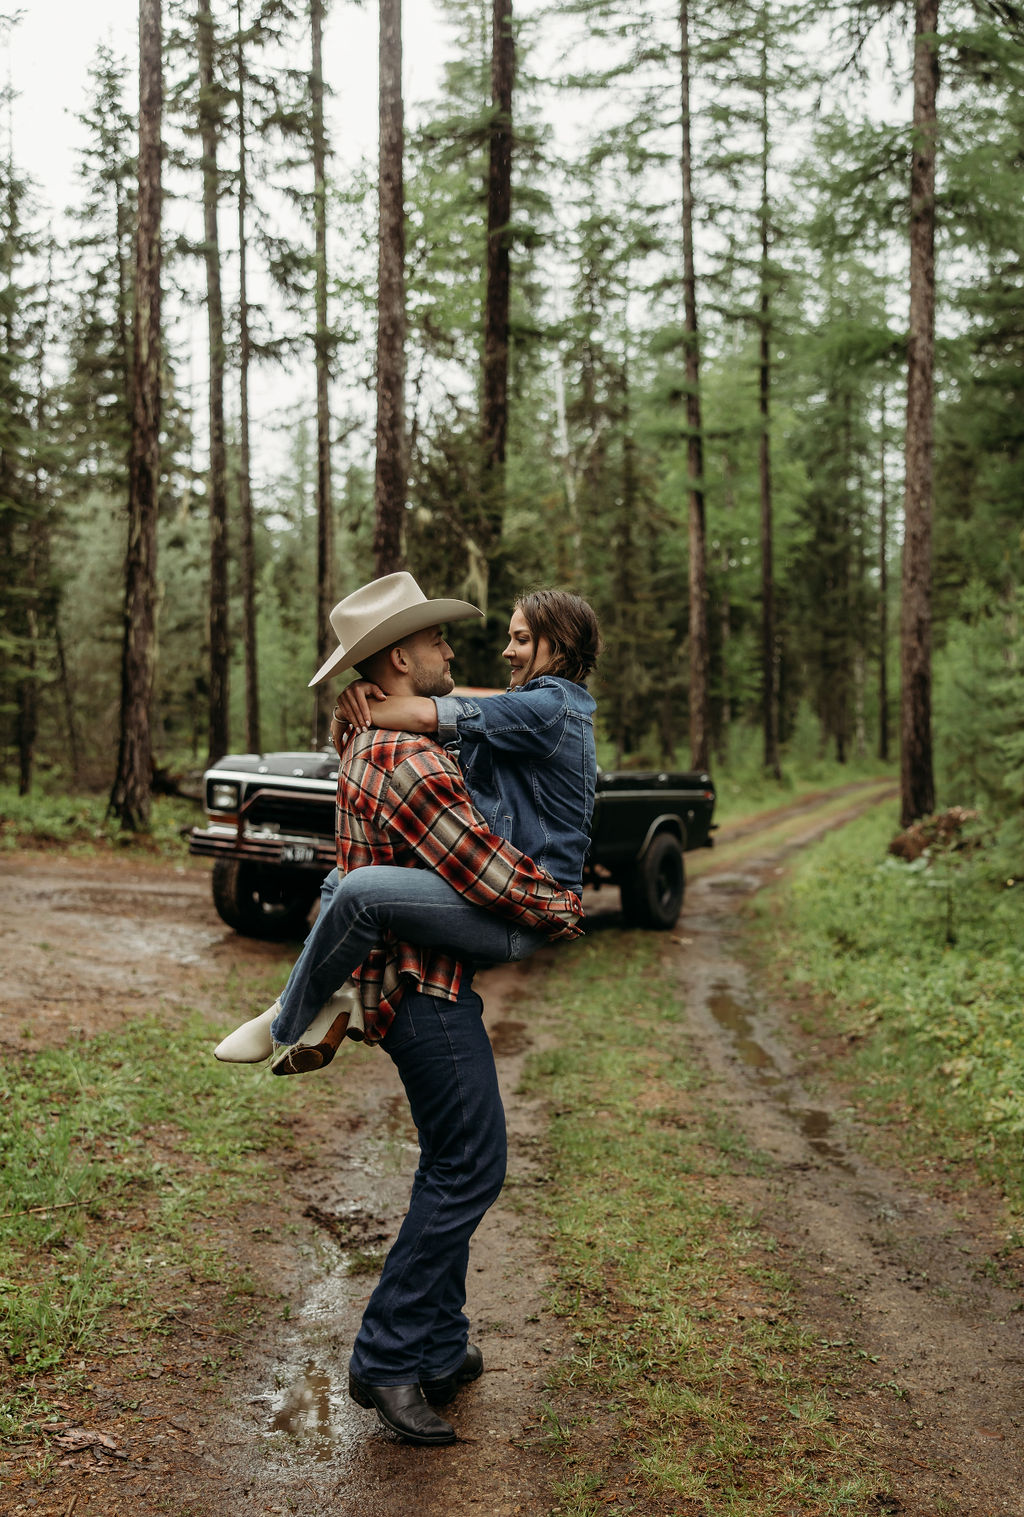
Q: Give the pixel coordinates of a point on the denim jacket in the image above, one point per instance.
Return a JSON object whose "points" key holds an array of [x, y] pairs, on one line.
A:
{"points": [[530, 764]]}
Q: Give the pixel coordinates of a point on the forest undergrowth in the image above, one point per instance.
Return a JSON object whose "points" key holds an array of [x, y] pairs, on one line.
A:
{"points": [[81, 823]]}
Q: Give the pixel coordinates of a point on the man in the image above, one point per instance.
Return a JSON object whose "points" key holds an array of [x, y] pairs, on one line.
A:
{"points": [[402, 800]]}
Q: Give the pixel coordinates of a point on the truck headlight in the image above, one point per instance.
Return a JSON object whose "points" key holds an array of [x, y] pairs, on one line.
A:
{"points": [[223, 796]]}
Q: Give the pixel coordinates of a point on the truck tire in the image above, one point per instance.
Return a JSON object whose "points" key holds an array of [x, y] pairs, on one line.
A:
{"points": [[257, 907], [653, 894]]}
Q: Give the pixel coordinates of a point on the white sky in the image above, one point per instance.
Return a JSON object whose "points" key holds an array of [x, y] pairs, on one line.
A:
{"points": [[49, 53], [46, 58]]}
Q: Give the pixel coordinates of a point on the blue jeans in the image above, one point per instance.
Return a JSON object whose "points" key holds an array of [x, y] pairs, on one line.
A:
{"points": [[414, 1326], [416, 906]]}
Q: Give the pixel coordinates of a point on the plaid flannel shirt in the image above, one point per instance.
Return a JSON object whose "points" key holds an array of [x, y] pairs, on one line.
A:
{"points": [[402, 800]]}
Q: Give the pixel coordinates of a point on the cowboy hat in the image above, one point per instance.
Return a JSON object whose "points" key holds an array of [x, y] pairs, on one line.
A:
{"points": [[382, 613]]}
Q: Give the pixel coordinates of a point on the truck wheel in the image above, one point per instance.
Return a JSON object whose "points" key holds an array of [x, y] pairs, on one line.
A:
{"points": [[247, 901], [653, 894]]}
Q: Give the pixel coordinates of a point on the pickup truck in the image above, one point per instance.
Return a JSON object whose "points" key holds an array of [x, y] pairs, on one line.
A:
{"points": [[271, 836]]}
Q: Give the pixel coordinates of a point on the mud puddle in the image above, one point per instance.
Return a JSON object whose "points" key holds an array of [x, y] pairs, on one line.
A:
{"points": [[749, 1043], [299, 1425]]}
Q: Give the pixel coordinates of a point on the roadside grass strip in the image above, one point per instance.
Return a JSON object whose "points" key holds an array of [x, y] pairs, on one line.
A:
{"points": [[920, 969], [689, 1381], [127, 1161]]}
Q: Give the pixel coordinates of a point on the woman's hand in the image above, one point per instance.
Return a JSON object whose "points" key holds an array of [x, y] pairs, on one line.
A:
{"points": [[352, 708]]}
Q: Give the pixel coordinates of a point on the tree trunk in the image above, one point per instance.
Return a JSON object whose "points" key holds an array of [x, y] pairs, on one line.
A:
{"points": [[132, 789], [209, 129], [64, 680], [245, 522], [323, 699], [494, 410], [390, 477], [700, 723], [26, 721], [883, 606], [37, 601], [769, 667], [721, 726], [917, 784]]}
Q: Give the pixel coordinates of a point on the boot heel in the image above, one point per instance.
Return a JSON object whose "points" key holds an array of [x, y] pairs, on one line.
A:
{"points": [[334, 1037], [357, 1393]]}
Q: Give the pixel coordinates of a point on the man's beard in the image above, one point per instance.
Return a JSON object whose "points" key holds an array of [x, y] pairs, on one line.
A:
{"points": [[430, 682]]}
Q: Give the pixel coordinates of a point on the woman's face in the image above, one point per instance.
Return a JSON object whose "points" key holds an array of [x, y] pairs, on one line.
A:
{"points": [[525, 659]]}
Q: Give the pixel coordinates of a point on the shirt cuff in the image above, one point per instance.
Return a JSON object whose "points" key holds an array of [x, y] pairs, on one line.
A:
{"points": [[447, 719]]}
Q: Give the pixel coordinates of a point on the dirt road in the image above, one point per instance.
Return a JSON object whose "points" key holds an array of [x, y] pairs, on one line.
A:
{"points": [[905, 1278]]}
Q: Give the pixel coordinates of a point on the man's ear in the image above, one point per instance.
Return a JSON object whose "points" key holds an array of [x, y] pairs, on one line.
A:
{"points": [[398, 660]]}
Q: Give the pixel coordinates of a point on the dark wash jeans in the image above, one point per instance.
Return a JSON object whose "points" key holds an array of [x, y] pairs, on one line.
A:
{"points": [[417, 906], [414, 1327]]}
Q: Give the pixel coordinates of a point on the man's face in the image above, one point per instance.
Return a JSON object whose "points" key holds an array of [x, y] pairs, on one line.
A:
{"points": [[429, 656]]}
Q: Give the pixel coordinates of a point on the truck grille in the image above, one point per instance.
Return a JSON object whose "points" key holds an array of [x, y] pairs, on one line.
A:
{"points": [[301, 814]]}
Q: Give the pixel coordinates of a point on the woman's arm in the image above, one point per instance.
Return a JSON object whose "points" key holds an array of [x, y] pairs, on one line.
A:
{"points": [[528, 721], [396, 713], [522, 722]]}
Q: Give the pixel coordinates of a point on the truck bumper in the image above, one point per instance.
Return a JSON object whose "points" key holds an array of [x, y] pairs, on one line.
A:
{"points": [[315, 854]]}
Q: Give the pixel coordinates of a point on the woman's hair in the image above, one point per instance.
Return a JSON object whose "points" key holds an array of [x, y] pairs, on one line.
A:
{"points": [[570, 626]]}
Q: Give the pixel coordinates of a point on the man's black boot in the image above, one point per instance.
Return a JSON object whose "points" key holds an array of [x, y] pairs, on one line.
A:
{"points": [[440, 1392], [404, 1410]]}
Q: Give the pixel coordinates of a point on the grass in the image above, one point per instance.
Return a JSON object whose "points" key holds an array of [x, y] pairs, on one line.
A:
{"points": [[919, 970], [127, 1161], [80, 826], [690, 1381]]}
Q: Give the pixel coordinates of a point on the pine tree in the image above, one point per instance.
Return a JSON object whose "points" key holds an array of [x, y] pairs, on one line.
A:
{"points": [[917, 781], [322, 346], [390, 487], [247, 553], [699, 697], [495, 358], [29, 316], [98, 403], [210, 113], [132, 789]]}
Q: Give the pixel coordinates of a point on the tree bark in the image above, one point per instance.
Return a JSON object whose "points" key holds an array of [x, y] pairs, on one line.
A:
{"points": [[323, 699], [64, 679], [26, 722], [37, 600], [917, 784], [883, 604], [245, 520], [209, 131], [132, 789], [390, 475], [769, 661], [700, 712], [494, 408]]}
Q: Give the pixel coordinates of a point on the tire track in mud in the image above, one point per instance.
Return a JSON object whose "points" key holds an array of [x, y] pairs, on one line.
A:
{"points": [[900, 1276]]}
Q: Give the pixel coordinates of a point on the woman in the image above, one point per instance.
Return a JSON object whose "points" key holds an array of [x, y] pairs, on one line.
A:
{"points": [[530, 766]]}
